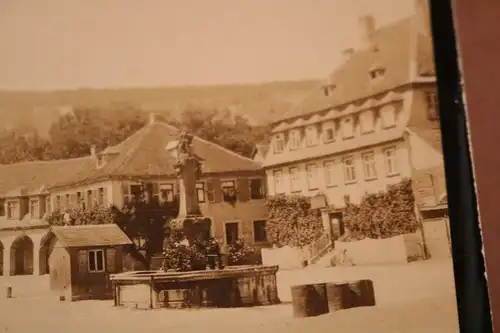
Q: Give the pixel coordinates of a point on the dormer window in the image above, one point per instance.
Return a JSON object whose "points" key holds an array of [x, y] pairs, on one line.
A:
{"points": [[328, 89], [279, 143], [295, 139], [347, 127], [34, 209], [366, 121], [388, 115], [328, 131], [311, 135], [376, 71], [100, 161]]}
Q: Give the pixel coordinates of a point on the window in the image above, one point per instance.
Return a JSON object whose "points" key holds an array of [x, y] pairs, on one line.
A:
{"points": [[47, 205], [12, 209], [101, 196], [67, 201], [312, 176], [166, 193], [328, 132], [388, 114], [432, 105], [140, 242], [256, 191], [366, 121], [347, 127], [96, 261], [311, 135], [331, 174], [57, 203], [376, 72], [232, 232], [200, 191], [34, 209], [295, 139], [279, 143], [2, 207], [131, 193], [279, 186], [229, 190], [349, 170], [90, 199], [259, 231], [296, 186], [80, 200], [391, 161], [369, 166]]}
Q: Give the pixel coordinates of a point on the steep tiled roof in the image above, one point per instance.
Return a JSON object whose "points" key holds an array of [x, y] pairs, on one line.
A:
{"points": [[91, 235], [144, 154], [398, 48], [32, 177]]}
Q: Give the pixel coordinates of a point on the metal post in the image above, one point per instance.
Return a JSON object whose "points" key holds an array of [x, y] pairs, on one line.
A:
{"points": [[151, 286]]}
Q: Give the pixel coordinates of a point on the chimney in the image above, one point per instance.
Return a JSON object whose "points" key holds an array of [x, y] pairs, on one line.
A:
{"points": [[367, 27], [153, 117], [347, 53], [93, 150], [423, 11]]}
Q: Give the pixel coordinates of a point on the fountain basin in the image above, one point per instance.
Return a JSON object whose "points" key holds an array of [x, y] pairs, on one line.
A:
{"points": [[235, 286]]}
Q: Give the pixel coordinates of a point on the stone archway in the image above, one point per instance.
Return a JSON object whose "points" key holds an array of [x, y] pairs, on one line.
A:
{"points": [[46, 247], [22, 256]]}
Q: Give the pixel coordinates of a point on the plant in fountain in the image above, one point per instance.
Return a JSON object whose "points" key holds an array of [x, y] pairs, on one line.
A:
{"points": [[239, 252], [190, 252]]}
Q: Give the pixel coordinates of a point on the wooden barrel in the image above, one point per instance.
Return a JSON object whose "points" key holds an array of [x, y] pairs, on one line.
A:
{"points": [[309, 300], [362, 293], [338, 296]]}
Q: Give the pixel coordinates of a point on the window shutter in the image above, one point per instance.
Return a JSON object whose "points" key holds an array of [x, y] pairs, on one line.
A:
{"points": [[105, 202], [82, 261], [111, 260], [73, 201], [95, 197], [210, 191], [217, 189], [243, 189]]}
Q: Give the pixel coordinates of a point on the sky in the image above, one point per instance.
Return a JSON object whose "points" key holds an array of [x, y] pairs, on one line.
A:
{"points": [[68, 44]]}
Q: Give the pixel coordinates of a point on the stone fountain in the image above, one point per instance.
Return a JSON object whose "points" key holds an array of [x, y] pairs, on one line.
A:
{"points": [[232, 286]]}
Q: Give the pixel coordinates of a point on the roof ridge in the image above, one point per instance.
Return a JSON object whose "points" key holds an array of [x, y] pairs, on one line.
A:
{"points": [[47, 161], [227, 150], [85, 226], [212, 143], [128, 155]]}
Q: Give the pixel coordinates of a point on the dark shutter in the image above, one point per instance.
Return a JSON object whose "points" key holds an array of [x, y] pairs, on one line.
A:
{"points": [[82, 261], [217, 189], [210, 191], [111, 260], [243, 189]]}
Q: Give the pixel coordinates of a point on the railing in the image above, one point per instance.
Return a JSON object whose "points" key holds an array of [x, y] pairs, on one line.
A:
{"points": [[319, 247]]}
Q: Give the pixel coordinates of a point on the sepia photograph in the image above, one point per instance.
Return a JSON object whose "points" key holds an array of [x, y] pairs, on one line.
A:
{"points": [[218, 165]]}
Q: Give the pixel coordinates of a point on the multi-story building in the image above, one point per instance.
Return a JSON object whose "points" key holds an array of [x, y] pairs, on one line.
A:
{"points": [[230, 192], [374, 122]]}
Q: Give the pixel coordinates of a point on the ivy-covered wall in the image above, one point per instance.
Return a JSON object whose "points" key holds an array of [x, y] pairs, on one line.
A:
{"points": [[382, 215], [292, 222]]}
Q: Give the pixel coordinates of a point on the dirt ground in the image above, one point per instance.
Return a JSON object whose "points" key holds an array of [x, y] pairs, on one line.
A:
{"points": [[417, 297]]}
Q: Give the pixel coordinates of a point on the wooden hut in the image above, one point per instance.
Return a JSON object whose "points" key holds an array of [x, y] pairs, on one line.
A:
{"points": [[81, 258]]}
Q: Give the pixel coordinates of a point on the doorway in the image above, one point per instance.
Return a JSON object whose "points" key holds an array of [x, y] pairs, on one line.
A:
{"points": [[337, 227], [232, 232]]}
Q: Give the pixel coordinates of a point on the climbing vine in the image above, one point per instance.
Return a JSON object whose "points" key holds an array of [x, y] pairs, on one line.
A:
{"points": [[384, 214], [292, 221]]}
